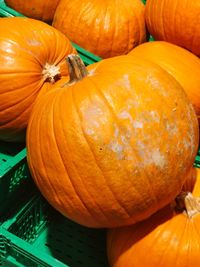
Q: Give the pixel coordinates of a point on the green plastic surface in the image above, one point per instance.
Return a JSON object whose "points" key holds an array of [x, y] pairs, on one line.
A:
{"points": [[37, 235], [13, 174]]}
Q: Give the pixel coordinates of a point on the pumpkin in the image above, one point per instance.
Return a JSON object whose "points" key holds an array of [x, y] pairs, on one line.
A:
{"points": [[37, 9], [180, 63], [105, 28], [32, 57], [175, 21], [121, 134], [168, 238]]}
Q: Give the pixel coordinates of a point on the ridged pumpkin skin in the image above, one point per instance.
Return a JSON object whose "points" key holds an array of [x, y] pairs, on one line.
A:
{"points": [[105, 28], [168, 238], [37, 9], [180, 63], [113, 148], [30, 52], [175, 21]]}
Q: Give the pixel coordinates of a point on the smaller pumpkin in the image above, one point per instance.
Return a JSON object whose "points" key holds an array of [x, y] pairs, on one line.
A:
{"points": [[122, 135], [105, 28], [168, 238], [175, 21], [32, 58], [180, 63], [36, 9]]}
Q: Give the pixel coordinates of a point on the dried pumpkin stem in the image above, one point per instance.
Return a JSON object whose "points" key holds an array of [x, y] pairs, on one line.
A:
{"points": [[190, 203], [51, 72], [77, 69]]}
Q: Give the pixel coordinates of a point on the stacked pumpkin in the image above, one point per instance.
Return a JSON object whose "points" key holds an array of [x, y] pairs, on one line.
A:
{"points": [[111, 144]]}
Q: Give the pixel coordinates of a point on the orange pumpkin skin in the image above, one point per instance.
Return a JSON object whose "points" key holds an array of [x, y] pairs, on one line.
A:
{"points": [[30, 53], [105, 28], [37, 9], [180, 63], [120, 143], [166, 239], [175, 22]]}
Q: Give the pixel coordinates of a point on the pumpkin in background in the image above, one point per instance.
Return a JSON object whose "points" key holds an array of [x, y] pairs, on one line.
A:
{"points": [[180, 63], [105, 28], [168, 238], [122, 135], [37, 9], [175, 21], [32, 57]]}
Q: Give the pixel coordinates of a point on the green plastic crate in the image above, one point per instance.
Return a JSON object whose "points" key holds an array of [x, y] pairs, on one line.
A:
{"points": [[13, 174], [38, 236]]}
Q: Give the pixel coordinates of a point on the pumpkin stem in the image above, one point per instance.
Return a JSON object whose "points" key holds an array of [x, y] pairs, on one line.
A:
{"points": [[51, 73], [77, 69], [191, 204]]}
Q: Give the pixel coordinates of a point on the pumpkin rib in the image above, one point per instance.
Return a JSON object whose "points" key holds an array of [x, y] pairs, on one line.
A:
{"points": [[175, 19], [104, 178], [24, 88], [109, 106], [93, 200], [59, 201], [100, 32], [39, 156], [36, 173], [79, 197], [194, 35], [181, 240], [4, 124], [113, 33], [116, 120], [197, 231], [34, 92], [162, 23], [138, 24], [84, 186]]}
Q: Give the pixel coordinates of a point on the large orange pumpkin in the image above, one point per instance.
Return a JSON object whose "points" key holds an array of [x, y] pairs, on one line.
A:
{"points": [[175, 21], [180, 63], [105, 28], [113, 145], [32, 56], [37, 9], [168, 238]]}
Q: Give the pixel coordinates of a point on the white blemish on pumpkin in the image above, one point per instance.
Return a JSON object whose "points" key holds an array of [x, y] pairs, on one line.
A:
{"points": [[132, 103], [158, 159], [89, 131], [126, 115], [151, 156], [138, 124], [116, 132], [127, 82], [171, 128], [155, 116], [156, 85], [34, 42], [120, 144], [117, 148], [124, 82]]}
